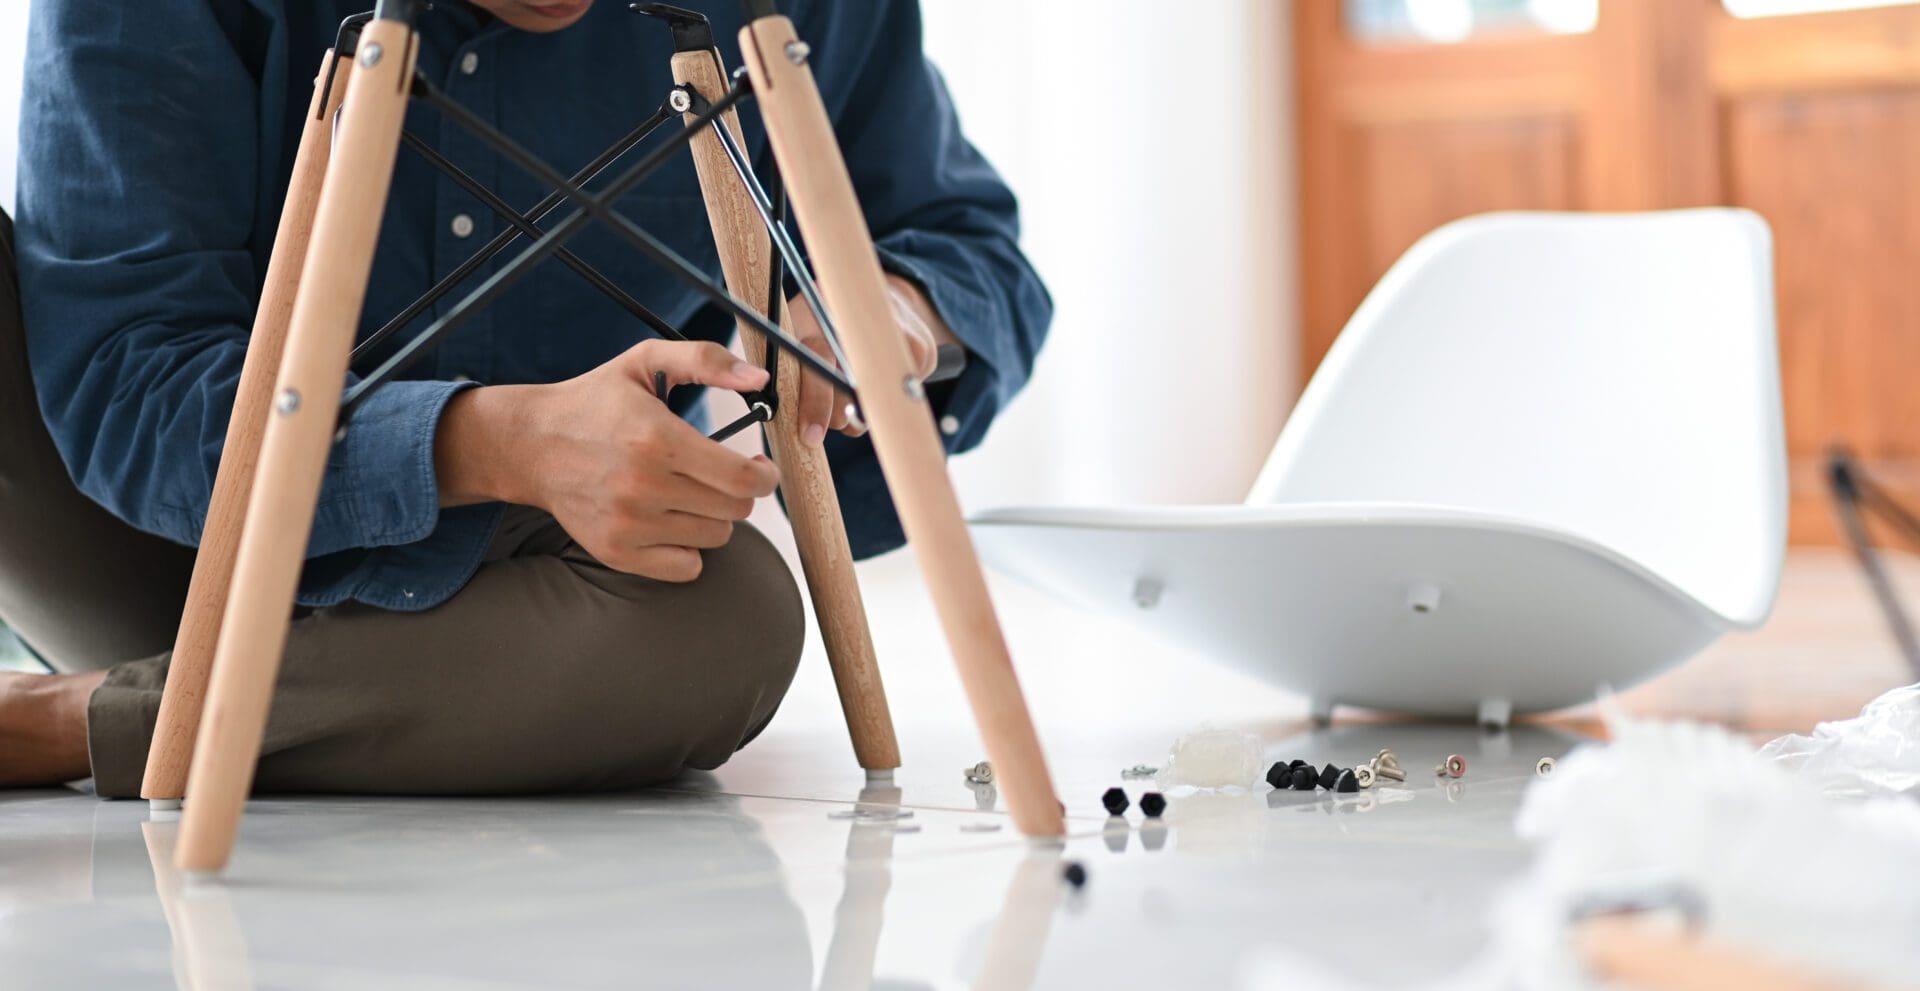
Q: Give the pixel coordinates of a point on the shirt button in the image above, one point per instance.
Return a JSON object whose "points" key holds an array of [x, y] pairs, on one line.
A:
{"points": [[462, 225], [949, 425], [469, 63]]}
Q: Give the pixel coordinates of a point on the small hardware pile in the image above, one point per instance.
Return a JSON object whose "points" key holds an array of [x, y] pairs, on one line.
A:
{"points": [[1151, 804], [1298, 775]]}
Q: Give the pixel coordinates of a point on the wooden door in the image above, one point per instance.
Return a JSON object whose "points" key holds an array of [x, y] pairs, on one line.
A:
{"points": [[1813, 120]]}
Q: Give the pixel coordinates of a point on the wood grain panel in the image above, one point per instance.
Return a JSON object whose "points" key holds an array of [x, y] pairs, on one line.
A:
{"points": [[1833, 174], [1412, 176]]}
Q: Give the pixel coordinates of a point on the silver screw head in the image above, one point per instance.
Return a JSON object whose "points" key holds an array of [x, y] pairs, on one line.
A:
{"points": [[370, 54], [980, 774], [288, 402], [1364, 775], [1454, 766], [1544, 767], [680, 101], [797, 52]]}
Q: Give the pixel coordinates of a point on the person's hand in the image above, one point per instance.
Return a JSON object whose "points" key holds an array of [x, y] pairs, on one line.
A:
{"points": [[639, 488], [822, 407]]}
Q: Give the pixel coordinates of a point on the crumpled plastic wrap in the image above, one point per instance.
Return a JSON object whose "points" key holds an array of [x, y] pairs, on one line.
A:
{"points": [[1213, 758], [1764, 859], [1873, 754]]}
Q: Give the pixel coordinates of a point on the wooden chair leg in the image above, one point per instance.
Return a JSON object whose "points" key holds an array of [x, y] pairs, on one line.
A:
{"points": [[813, 505], [896, 410], [187, 673], [293, 450]]}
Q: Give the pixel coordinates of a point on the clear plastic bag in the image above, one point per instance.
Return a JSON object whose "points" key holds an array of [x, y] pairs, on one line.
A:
{"points": [[1213, 758], [1876, 753]]}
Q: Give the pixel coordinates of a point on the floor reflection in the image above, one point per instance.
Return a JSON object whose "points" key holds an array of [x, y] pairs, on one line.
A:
{"points": [[209, 947]]}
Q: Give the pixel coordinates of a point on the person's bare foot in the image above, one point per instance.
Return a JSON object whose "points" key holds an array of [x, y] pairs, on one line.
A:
{"points": [[43, 728]]}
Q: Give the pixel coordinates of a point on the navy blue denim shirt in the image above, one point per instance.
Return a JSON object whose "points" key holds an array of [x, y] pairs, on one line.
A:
{"points": [[156, 144]]}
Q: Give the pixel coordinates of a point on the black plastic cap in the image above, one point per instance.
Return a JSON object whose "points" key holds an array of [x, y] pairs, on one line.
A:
{"points": [[1329, 775], [1280, 775], [1074, 874], [1303, 779], [1115, 800], [1347, 782], [1153, 803]]}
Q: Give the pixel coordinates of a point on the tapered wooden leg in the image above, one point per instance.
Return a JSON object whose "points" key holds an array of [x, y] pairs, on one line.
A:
{"points": [[293, 451], [180, 705], [812, 504], [896, 410]]}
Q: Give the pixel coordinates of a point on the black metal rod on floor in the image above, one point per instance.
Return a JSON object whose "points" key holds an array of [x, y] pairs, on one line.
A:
{"points": [[500, 241], [500, 208], [1852, 490]]}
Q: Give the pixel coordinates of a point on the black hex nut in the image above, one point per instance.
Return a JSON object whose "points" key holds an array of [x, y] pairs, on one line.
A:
{"points": [[1115, 800], [1297, 762], [1280, 775], [1303, 779], [1153, 803], [1075, 874], [1329, 776], [1347, 782]]}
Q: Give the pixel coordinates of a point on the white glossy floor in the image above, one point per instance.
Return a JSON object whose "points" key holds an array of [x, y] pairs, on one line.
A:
{"points": [[746, 879]]}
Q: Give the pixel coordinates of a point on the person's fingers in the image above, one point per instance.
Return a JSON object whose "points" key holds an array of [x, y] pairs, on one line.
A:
{"points": [[691, 363], [688, 530], [687, 452], [684, 495], [922, 356], [662, 562]]}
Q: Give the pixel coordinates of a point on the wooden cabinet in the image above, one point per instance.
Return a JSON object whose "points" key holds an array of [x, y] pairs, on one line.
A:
{"points": [[1812, 120]]}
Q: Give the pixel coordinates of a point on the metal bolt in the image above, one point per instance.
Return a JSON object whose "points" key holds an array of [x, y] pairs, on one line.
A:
{"points": [[980, 774], [797, 52], [1364, 775], [1385, 765], [1544, 767], [288, 403], [1453, 767], [679, 100], [1139, 771], [370, 54]]}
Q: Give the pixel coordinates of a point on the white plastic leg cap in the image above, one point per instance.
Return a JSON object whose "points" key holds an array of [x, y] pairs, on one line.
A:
{"points": [[163, 805], [1495, 714]]}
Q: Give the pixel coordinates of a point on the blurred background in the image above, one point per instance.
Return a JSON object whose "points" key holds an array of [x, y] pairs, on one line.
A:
{"points": [[1210, 189]]}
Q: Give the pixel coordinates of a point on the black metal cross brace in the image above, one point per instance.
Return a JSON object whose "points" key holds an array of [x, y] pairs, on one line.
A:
{"points": [[550, 242]]}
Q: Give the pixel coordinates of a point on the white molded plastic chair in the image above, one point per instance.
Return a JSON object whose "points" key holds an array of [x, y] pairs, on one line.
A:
{"points": [[1545, 456]]}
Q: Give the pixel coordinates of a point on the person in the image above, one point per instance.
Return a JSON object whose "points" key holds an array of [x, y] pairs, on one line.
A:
{"points": [[527, 572]]}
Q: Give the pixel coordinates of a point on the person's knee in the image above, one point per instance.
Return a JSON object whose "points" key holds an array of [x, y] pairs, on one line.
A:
{"points": [[724, 646]]}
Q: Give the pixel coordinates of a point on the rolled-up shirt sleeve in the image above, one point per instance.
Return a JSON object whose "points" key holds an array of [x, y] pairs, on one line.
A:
{"points": [[146, 184], [943, 219]]}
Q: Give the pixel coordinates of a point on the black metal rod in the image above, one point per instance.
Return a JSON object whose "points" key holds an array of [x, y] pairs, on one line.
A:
{"points": [[600, 209], [500, 241], [503, 279], [1851, 491], [757, 412], [500, 208], [782, 240]]}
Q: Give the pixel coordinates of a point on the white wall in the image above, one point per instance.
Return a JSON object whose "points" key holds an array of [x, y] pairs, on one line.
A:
{"points": [[1151, 147], [13, 45], [1151, 151]]}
